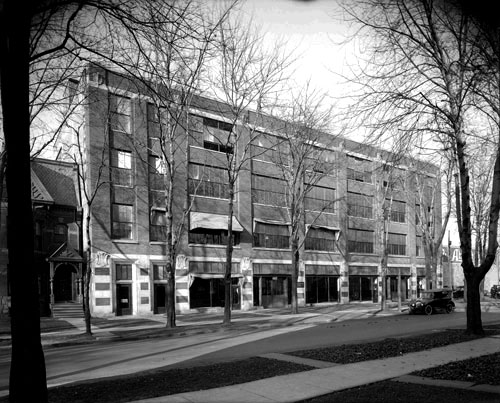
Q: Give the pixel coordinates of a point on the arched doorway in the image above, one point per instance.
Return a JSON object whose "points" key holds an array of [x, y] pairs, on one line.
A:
{"points": [[65, 283]]}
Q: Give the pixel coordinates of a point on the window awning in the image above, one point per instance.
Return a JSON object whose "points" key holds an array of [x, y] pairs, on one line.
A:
{"points": [[327, 227], [272, 222], [212, 221], [207, 276]]}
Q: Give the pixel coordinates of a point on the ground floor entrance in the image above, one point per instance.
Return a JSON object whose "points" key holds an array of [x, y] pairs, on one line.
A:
{"points": [[272, 291], [363, 288], [123, 299], [322, 289], [160, 298]]}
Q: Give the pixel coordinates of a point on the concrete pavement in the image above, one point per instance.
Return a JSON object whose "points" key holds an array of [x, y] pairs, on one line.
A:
{"points": [[306, 385]]}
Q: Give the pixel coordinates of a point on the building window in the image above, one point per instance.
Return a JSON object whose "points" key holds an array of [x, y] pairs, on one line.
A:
{"points": [[320, 199], [120, 111], [208, 181], [321, 239], [60, 233], [211, 237], [123, 272], [217, 136], [358, 169], [271, 236], [360, 241], [419, 246], [157, 225], [38, 236], [268, 190], [359, 205], [160, 272], [157, 172], [397, 211], [123, 221], [396, 244], [121, 167]]}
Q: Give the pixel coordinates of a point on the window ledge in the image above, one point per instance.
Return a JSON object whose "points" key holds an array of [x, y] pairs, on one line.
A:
{"points": [[157, 242], [207, 197], [322, 251], [204, 245], [129, 241], [271, 249]]}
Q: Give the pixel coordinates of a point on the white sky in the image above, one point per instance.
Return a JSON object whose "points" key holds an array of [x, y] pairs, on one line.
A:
{"points": [[311, 30]]}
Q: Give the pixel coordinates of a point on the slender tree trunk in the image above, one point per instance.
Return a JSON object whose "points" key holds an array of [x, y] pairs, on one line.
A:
{"points": [[27, 371], [229, 258], [170, 267], [294, 246], [87, 279]]}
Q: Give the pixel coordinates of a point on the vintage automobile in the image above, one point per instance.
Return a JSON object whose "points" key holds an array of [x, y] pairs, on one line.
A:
{"points": [[432, 301], [459, 292]]}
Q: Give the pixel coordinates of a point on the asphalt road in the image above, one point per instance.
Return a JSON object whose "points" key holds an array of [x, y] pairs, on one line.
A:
{"points": [[93, 361]]}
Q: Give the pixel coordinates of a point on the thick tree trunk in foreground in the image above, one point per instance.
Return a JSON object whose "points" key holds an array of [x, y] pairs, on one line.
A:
{"points": [[27, 372]]}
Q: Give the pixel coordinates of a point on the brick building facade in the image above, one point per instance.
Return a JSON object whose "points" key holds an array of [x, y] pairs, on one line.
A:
{"points": [[340, 259]]}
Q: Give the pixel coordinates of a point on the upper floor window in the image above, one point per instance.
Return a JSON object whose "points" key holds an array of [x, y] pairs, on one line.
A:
{"points": [[157, 225], [396, 244], [321, 239], [212, 236], [358, 169], [320, 199], [268, 190], [419, 249], [38, 235], [217, 136], [120, 112], [359, 205], [268, 235], [60, 233], [121, 167], [157, 172], [397, 210], [360, 241], [208, 181], [122, 221]]}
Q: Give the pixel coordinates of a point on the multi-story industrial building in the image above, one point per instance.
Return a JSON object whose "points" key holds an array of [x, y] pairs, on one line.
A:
{"points": [[340, 259]]}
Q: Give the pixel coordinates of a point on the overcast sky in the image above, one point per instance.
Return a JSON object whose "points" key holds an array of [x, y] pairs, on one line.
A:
{"points": [[311, 29]]}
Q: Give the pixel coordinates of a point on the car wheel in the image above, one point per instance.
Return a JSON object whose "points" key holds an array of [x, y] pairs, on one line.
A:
{"points": [[449, 308], [428, 310]]}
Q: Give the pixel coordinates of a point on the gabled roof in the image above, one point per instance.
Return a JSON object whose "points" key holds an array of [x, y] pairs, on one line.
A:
{"points": [[53, 182], [65, 253]]}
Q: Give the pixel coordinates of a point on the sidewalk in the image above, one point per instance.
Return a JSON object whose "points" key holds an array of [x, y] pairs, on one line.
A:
{"points": [[318, 382]]}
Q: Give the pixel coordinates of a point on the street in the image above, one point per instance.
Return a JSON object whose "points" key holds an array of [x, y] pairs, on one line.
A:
{"points": [[104, 359]]}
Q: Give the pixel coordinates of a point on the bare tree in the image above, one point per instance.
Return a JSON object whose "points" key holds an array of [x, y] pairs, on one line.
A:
{"points": [[169, 67], [245, 76], [420, 81], [303, 165]]}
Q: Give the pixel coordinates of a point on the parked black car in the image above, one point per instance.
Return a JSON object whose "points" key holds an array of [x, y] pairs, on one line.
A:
{"points": [[432, 301], [495, 291], [458, 292]]}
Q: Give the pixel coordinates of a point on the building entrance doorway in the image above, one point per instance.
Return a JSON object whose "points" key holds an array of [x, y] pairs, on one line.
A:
{"points": [[160, 298], [64, 283], [123, 299]]}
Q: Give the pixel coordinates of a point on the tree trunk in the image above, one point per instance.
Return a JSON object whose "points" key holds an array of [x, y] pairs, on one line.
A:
{"points": [[87, 279], [27, 371], [229, 258], [170, 308], [474, 323], [294, 246]]}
